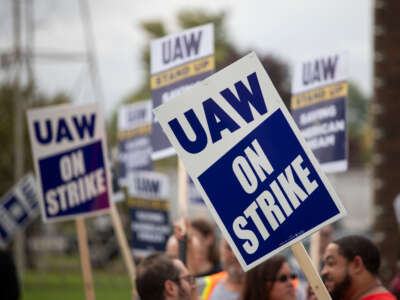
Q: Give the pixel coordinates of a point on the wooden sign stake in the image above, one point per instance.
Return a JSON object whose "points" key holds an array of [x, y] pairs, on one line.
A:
{"points": [[123, 243], [182, 190], [85, 259], [314, 249], [310, 272]]}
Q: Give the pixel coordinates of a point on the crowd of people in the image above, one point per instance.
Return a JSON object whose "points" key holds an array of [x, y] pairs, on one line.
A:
{"points": [[349, 269]]}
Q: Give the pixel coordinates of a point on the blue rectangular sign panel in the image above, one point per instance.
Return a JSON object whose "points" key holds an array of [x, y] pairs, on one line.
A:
{"points": [[150, 229], [288, 200], [75, 193]]}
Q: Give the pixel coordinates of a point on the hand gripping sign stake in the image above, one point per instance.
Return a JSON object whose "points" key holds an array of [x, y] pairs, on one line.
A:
{"points": [[260, 181]]}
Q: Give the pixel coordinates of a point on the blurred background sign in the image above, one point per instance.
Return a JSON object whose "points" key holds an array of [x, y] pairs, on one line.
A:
{"points": [[178, 61], [18, 208]]}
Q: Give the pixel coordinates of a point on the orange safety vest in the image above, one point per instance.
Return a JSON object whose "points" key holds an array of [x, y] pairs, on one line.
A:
{"points": [[211, 282]]}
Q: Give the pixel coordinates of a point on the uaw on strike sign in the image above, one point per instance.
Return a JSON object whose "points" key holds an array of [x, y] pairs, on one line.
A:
{"points": [[246, 156], [69, 151]]}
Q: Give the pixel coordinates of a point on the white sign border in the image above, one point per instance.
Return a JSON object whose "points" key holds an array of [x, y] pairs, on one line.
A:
{"points": [[97, 110], [251, 59]]}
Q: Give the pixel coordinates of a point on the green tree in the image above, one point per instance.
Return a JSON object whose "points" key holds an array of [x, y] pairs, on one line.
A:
{"points": [[7, 96], [359, 128]]}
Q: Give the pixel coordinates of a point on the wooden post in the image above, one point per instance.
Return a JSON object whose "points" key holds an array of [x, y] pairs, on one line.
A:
{"points": [[85, 259], [310, 272], [123, 244], [183, 214], [182, 190], [314, 249]]}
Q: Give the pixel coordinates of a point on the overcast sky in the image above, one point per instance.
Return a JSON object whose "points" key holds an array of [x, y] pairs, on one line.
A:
{"points": [[292, 30]]}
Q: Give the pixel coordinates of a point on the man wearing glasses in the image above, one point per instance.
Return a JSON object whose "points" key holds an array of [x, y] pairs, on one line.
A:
{"points": [[161, 277]]}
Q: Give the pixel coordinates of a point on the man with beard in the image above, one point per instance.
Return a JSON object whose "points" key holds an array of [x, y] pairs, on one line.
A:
{"points": [[161, 277], [350, 270]]}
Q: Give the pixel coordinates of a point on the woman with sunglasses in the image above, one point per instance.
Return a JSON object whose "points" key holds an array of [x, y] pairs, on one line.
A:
{"points": [[271, 280]]}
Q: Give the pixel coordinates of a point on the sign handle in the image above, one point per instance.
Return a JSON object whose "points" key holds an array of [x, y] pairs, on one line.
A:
{"points": [[183, 210], [314, 248], [182, 190], [85, 259], [310, 272], [123, 243]]}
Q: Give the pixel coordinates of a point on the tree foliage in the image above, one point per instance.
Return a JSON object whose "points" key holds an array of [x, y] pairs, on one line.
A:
{"points": [[7, 117], [359, 127]]}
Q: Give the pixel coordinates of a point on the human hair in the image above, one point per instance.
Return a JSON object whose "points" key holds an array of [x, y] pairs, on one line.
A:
{"points": [[356, 245], [259, 280], [206, 229], [152, 273]]}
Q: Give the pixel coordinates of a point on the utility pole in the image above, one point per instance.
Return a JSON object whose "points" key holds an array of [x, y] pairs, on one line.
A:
{"points": [[19, 244], [386, 123], [91, 51]]}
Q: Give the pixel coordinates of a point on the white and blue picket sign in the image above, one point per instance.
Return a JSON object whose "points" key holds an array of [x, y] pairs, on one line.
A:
{"points": [[69, 151], [246, 156], [18, 207]]}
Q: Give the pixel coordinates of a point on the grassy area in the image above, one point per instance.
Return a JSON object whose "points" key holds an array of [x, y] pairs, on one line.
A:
{"points": [[68, 285]]}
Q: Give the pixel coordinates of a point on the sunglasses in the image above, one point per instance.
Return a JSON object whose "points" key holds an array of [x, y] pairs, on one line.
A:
{"points": [[285, 277]]}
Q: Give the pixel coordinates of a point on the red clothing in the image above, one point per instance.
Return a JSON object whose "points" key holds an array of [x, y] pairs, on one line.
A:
{"points": [[380, 296]]}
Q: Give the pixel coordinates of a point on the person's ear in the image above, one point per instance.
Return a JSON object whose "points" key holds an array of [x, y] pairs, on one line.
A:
{"points": [[170, 288], [357, 265]]}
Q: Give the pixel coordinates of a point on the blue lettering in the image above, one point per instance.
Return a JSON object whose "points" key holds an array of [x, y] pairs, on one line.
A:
{"points": [[178, 49], [214, 113], [192, 43], [329, 67], [49, 132], [316, 76], [166, 51], [319, 69], [241, 105], [83, 124], [200, 141], [63, 131], [306, 73]]}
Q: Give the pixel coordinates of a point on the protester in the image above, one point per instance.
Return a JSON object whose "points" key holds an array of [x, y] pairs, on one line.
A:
{"points": [[350, 270], [162, 277], [395, 286], [395, 283], [325, 238], [271, 280], [207, 256], [226, 285], [310, 295], [9, 286], [172, 246], [203, 258]]}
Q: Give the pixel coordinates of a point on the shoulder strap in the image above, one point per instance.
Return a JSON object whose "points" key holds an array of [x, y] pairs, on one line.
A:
{"points": [[211, 282]]}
